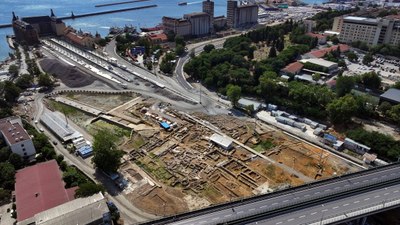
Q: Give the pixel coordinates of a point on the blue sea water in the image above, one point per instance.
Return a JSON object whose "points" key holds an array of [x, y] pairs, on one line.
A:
{"points": [[101, 23]]}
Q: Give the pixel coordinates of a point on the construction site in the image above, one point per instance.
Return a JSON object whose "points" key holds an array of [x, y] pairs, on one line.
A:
{"points": [[177, 161]]}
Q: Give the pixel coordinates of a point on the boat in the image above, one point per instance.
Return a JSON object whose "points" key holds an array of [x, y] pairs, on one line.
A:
{"points": [[149, 29], [182, 3]]}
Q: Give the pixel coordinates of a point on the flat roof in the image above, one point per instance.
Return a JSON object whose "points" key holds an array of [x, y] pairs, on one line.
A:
{"points": [[165, 125], [12, 130], [59, 126], [360, 19], [221, 140], [392, 94], [247, 102], [38, 188], [86, 149], [321, 62], [78, 211]]}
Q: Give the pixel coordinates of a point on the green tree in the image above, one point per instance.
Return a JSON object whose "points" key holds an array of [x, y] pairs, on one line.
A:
{"points": [[13, 70], [367, 59], [11, 91], [5, 153], [179, 50], [7, 173], [5, 196], [233, 92], [208, 48], [344, 85], [72, 177], [396, 85], [179, 40], [316, 76], [352, 56], [16, 161], [88, 189], [272, 52], [384, 107], [45, 80], [342, 109], [24, 81], [106, 155], [268, 86], [394, 114], [371, 80]]}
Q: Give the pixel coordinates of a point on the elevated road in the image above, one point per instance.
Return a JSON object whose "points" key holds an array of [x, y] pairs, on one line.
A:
{"points": [[307, 202]]}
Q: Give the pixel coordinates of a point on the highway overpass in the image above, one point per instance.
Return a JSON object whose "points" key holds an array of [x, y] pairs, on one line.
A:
{"points": [[328, 201]]}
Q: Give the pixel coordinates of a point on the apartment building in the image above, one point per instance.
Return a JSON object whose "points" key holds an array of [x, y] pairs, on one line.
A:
{"points": [[373, 31]]}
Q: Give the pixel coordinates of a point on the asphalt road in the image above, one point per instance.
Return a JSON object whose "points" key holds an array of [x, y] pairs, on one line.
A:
{"points": [[305, 194]]}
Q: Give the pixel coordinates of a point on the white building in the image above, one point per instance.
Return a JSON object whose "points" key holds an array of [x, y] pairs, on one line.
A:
{"points": [[372, 31], [222, 141], [16, 137]]}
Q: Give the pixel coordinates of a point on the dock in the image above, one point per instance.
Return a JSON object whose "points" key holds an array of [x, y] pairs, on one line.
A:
{"points": [[120, 3], [73, 16]]}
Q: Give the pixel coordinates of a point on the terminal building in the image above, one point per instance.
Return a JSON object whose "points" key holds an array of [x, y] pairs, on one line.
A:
{"points": [[16, 137], [369, 30], [28, 30], [240, 14]]}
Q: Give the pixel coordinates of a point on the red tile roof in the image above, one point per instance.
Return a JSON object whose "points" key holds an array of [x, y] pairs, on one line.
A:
{"points": [[293, 68], [13, 131], [322, 52], [314, 35], [162, 37], [38, 188]]}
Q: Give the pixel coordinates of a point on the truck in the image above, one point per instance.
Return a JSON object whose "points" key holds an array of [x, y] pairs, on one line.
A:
{"points": [[113, 61]]}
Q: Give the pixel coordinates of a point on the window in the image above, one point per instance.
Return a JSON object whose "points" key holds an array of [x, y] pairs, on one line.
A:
{"points": [[23, 149], [22, 145]]}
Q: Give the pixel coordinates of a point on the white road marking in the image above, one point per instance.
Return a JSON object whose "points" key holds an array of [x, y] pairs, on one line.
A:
{"points": [[366, 199], [215, 218], [240, 212], [376, 196], [346, 204], [228, 215], [278, 223], [324, 210], [356, 202], [274, 203], [263, 206], [313, 213], [386, 194], [290, 219], [286, 200], [335, 207], [395, 191], [302, 216], [252, 209]]}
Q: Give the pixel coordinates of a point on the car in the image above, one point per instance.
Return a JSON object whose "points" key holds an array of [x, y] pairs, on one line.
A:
{"points": [[41, 130], [36, 121], [55, 142]]}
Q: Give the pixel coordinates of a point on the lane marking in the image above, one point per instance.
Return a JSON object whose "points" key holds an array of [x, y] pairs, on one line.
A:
{"points": [[239, 212], [313, 213], [215, 218], [324, 210], [366, 199], [278, 223], [386, 194], [228, 215], [346, 204], [356, 202], [302, 216], [376, 196], [263, 206], [252, 209], [335, 207], [290, 219]]}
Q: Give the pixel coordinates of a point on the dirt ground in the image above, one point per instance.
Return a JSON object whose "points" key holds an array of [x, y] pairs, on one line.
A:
{"points": [[159, 201], [71, 77], [101, 101]]}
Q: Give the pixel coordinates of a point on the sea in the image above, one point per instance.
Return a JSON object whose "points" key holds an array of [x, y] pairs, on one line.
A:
{"points": [[102, 23]]}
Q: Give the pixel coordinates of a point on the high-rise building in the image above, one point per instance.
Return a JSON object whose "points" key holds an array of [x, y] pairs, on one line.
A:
{"points": [[200, 23], [231, 13], [242, 14], [208, 7], [371, 31]]}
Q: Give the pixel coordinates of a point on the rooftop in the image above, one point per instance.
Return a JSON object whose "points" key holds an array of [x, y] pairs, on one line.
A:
{"points": [[58, 125], [221, 140], [360, 19], [321, 62], [78, 211], [322, 52], [314, 35], [392, 94], [195, 14], [38, 188], [293, 68], [12, 130]]}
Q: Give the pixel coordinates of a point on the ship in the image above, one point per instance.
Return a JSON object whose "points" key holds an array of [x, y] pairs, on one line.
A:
{"points": [[149, 29], [182, 3]]}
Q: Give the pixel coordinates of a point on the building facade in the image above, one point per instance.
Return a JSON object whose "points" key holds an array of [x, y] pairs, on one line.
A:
{"points": [[199, 23], [241, 15], [178, 26], [16, 137], [208, 7], [337, 24], [371, 31], [28, 29]]}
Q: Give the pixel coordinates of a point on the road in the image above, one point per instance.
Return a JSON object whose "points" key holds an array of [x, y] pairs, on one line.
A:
{"points": [[129, 213], [305, 193]]}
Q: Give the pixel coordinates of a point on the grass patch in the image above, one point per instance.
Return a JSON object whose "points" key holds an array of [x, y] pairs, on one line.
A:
{"points": [[264, 146], [120, 132], [67, 110]]}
